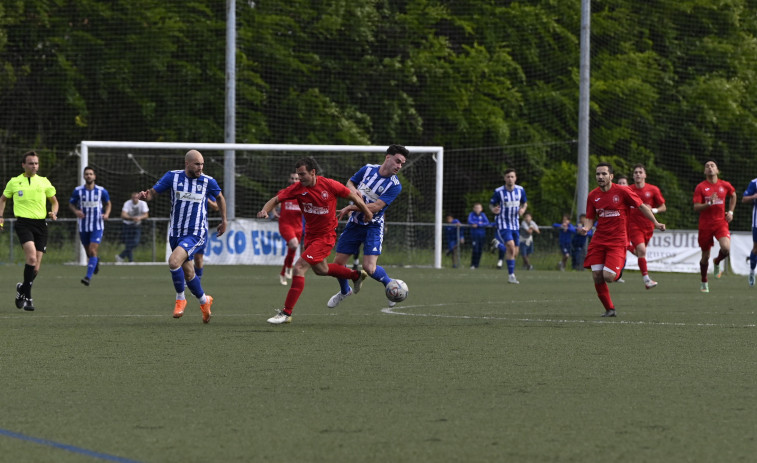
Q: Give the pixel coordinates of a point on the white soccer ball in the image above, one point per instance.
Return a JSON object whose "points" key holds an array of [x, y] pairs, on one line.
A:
{"points": [[396, 291]]}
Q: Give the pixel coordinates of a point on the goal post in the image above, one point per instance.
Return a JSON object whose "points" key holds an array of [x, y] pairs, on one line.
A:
{"points": [[254, 175]]}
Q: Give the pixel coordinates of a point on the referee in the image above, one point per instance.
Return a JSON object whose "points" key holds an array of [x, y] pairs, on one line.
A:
{"points": [[29, 191]]}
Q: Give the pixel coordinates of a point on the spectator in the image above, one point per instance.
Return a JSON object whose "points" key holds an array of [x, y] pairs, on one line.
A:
{"points": [[527, 229], [567, 231], [478, 223], [133, 213], [578, 246], [454, 238]]}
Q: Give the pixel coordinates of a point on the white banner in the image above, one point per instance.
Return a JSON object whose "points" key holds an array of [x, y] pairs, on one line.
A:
{"points": [[247, 242], [678, 251]]}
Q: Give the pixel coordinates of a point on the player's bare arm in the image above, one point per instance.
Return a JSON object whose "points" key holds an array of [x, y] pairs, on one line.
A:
{"points": [[221, 203], [2, 210], [53, 214], [661, 208], [268, 207], [77, 212], [495, 208], [647, 211], [147, 195], [522, 209], [734, 199], [106, 214], [358, 200]]}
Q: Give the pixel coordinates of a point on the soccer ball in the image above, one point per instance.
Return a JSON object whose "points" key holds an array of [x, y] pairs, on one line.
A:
{"points": [[396, 291]]}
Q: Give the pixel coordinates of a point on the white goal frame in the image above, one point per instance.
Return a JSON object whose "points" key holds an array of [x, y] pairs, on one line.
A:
{"points": [[229, 168]]}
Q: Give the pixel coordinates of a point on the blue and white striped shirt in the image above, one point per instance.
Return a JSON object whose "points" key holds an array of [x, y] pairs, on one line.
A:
{"points": [[750, 190], [373, 187], [509, 203], [189, 205], [92, 204]]}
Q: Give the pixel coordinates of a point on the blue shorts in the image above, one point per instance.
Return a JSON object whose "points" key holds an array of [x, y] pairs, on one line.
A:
{"points": [[526, 249], [504, 236], [370, 236], [191, 243], [754, 234], [95, 236]]}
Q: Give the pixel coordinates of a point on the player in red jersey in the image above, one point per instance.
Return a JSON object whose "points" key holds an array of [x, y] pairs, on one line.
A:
{"points": [[317, 198], [709, 202], [609, 205], [640, 229], [290, 228]]}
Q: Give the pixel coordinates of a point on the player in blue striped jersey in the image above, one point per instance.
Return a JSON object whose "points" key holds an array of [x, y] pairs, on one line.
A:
{"points": [[188, 230], [750, 196], [378, 185], [91, 205], [508, 204]]}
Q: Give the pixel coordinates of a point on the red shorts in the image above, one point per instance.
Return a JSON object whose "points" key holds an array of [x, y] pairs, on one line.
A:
{"points": [[711, 233], [290, 230], [612, 257], [318, 248], [639, 235]]}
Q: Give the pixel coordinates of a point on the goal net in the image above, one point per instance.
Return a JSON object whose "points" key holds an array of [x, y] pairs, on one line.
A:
{"points": [[250, 174]]}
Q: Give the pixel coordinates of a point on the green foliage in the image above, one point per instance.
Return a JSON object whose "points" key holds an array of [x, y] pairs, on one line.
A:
{"points": [[672, 82]]}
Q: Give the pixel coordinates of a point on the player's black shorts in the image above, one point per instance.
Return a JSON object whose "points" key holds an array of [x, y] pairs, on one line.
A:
{"points": [[32, 230]]}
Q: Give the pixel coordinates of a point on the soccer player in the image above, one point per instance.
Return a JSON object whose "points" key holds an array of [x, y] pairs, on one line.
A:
{"points": [[709, 202], [199, 258], [290, 228], [640, 229], [91, 205], [188, 229], [750, 196], [30, 193], [609, 204], [378, 186], [317, 198], [508, 203]]}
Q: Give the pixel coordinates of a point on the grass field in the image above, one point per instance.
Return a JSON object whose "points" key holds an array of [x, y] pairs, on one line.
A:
{"points": [[468, 369]]}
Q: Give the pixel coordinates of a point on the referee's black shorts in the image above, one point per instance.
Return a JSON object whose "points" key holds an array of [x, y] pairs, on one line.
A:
{"points": [[32, 230]]}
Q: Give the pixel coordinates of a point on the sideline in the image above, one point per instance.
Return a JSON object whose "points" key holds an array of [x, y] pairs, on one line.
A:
{"points": [[70, 448]]}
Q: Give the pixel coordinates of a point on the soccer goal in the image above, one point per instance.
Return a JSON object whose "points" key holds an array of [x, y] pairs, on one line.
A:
{"points": [[250, 174]]}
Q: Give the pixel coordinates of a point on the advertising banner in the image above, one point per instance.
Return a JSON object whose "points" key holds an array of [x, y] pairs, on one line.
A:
{"points": [[678, 251], [246, 241]]}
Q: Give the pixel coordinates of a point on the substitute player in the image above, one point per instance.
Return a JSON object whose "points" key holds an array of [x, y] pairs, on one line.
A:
{"points": [[188, 227], [91, 205], [30, 193], [317, 198], [508, 204], [290, 228], [640, 229], [609, 204], [709, 202], [378, 185]]}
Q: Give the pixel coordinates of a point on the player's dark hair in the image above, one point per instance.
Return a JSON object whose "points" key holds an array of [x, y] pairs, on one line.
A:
{"points": [[397, 149], [639, 165], [620, 177], [605, 164], [509, 170], [712, 161], [29, 153], [309, 163], [88, 168]]}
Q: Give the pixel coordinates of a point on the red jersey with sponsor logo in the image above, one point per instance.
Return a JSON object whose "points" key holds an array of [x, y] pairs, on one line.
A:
{"points": [[290, 213], [714, 215], [317, 203], [652, 197], [610, 210]]}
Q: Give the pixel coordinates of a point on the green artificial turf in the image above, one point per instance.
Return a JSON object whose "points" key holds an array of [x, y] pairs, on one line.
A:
{"points": [[467, 369]]}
